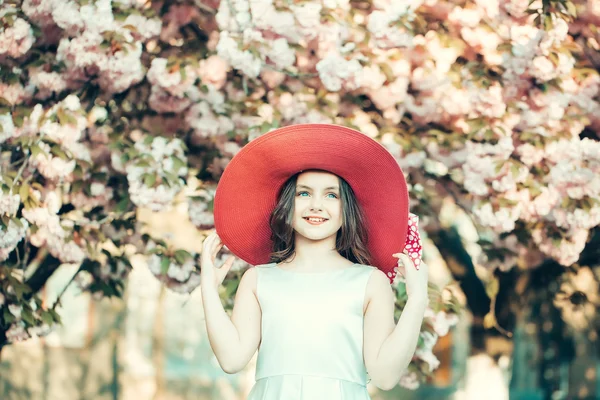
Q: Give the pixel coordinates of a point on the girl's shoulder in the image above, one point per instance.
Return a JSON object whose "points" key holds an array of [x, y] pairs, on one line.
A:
{"points": [[264, 266], [365, 267]]}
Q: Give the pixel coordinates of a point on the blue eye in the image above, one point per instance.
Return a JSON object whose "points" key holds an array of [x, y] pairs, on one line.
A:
{"points": [[299, 193], [334, 195]]}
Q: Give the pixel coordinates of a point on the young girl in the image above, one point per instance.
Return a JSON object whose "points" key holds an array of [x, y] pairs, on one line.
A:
{"points": [[319, 210]]}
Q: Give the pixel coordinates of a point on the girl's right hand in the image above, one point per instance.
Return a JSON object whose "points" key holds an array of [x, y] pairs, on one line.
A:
{"points": [[210, 276]]}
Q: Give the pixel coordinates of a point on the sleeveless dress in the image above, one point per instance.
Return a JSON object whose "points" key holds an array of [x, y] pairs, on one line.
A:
{"points": [[312, 334]]}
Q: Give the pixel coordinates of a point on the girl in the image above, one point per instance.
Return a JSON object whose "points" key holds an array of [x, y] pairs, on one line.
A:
{"points": [[320, 211]]}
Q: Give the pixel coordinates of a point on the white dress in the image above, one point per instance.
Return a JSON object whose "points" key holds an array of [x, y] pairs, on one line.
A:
{"points": [[312, 334]]}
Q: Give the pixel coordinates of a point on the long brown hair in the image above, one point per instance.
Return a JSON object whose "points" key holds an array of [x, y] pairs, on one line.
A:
{"points": [[351, 240]]}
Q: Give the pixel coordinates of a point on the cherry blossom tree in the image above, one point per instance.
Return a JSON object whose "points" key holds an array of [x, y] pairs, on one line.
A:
{"points": [[111, 106]]}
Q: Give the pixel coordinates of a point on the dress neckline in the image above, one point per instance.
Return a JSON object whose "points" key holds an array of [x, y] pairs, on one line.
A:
{"points": [[313, 273]]}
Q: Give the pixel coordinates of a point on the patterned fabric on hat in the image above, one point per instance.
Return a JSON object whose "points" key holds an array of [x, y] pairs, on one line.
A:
{"points": [[412, 248]]}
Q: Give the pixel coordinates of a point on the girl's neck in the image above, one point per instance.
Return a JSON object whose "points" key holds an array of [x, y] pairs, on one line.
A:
{"points": [[310, 255]]}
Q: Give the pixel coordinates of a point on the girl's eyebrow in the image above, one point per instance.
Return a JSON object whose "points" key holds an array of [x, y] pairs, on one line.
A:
{"points": [[308, 187]]}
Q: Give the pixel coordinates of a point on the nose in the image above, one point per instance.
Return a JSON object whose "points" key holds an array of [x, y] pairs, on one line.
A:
{"points": [[315, 204]]}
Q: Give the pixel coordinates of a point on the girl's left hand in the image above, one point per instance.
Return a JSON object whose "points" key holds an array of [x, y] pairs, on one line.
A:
{"points": [[416, 279]]}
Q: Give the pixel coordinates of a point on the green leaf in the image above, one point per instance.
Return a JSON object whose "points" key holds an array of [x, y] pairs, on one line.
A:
{"points": [[123, 204], [19, 288], [47, 318], [35, 150], [182, 256], [571, 9], [55, 316], [210, 206], [164, 265], [149, 180], [27, 316], [548, 25], [76, 186], [24, 192], [387, 71], [130, 27], [57, 151], [177, 163], [8, 317], [148, 140]]}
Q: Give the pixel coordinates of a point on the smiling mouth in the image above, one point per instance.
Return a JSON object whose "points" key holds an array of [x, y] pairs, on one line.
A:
{"points": [[316, 220]]}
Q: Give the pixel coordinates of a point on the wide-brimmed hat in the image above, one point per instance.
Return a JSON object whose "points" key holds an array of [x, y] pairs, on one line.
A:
{"points": [[248, 189]]}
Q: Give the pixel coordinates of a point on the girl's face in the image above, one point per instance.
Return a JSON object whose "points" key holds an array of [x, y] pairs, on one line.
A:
{"points": [[317, 196]]}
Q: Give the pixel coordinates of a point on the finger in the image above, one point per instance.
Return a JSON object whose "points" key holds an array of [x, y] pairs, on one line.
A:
{"points": [[207, 243], [228, 262], [406, 261], [215, 250], [224, 269]]}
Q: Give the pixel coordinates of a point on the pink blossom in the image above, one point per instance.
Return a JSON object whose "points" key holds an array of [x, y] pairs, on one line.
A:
{"points": [[313, 116], [17, 332], [577, 218], [16, 39], [424, 109], [455, 101], [213, 70], [385, 36], [337, 72], [289, 105], [500, 220], [308, 18], [465, 17], [46, 83], [530, 154], [516, 8], [243, 60], [205, 122], [489, 102], [281, 54], [372, 77], [39, 11], [100, 198], [442, 322], [9, 204], [543, 69], [391, 94], [273, 22], [272, 78], [12, 234], [410, 381], [429, 358], [178, 15], [73, 19], [7, 127], [15, 94], [171, 80], [116, 70], [145, 28], [566, 250], [52, 167], [162, 102]]}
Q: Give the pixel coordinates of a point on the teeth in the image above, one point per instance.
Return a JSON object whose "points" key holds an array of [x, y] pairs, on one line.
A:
{"points": [[316, 219]]}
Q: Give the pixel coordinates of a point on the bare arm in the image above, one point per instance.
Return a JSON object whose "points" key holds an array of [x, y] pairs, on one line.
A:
{"points": [[389, 348], [234, 341]]}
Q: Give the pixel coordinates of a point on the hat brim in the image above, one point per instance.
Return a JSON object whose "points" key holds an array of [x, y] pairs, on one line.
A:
{"points": [[247, 191]]}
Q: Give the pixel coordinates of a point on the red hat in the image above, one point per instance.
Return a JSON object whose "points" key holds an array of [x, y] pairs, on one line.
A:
{"points": [[248, 189]]}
